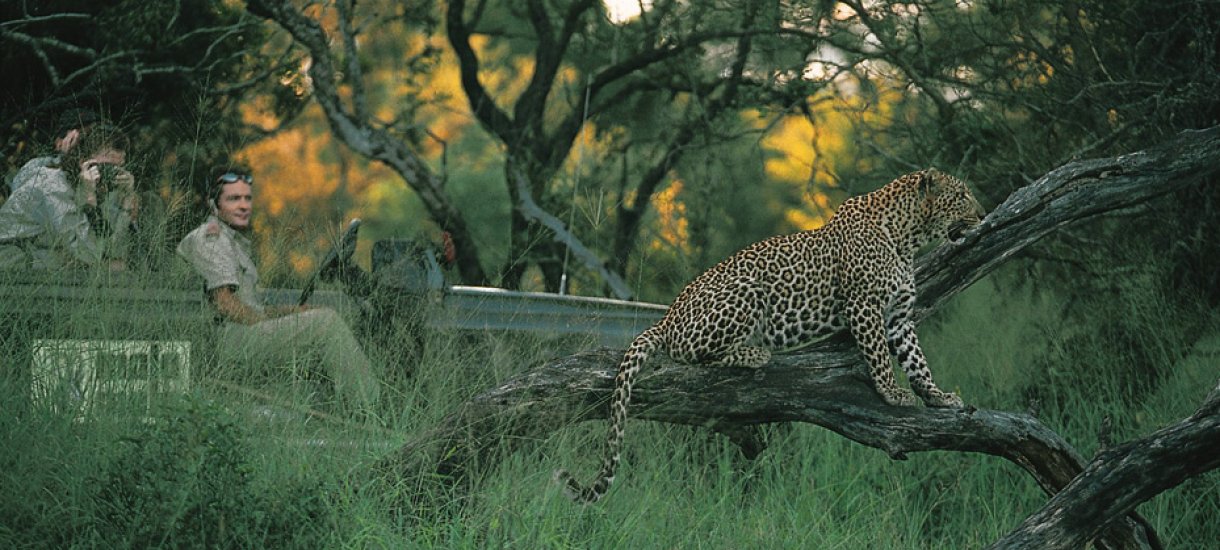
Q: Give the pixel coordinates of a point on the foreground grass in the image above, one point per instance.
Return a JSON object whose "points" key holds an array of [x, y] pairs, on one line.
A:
{"points": [[208, 472]]}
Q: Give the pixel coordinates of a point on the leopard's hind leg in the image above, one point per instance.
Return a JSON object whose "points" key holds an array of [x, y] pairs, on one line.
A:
{"points": [[720, 326]]}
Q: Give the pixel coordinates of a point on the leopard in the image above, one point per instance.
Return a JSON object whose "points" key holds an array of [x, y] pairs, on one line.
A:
{"points": [[855, 273]]}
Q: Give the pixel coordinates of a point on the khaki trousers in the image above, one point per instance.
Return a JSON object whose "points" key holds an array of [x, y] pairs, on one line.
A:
{"points": [[317, 333]]}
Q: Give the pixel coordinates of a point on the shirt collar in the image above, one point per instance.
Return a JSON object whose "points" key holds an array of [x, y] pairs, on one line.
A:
{"points": [[227, 230]]}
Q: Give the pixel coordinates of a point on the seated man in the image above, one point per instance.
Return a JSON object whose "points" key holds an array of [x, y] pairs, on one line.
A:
{"points": [[55, 219], [254, 333]]}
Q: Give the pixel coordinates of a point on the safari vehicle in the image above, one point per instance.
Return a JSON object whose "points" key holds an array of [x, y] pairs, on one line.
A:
{"points": [[87, 343]]}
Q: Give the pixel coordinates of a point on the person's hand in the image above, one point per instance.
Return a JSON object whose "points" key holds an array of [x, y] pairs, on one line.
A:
{"points": [[450, 250], [66, 142], [130, 201], [90, 175], [124, 180]]}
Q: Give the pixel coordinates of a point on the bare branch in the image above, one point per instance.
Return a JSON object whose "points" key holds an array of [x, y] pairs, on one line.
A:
{"points": [[481, 103], [548, 57], [39, 41], [54, 17], [531, 210], [354, 76]]}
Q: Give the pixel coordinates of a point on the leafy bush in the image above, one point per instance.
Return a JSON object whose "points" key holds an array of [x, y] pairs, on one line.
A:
{"points": [[185, 480]]}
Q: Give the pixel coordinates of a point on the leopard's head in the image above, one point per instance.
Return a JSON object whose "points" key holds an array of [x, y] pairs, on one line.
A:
{"points": [[949, 209]]}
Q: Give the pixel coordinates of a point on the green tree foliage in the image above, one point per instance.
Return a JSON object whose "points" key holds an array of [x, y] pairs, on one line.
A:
{"points": [[603, 116], [582, 109], [146, 65], [1002, 92], [663, 86]]}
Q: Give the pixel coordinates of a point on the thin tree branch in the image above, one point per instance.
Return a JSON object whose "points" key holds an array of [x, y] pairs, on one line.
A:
{"points": [[531, 210], [354, 76]]}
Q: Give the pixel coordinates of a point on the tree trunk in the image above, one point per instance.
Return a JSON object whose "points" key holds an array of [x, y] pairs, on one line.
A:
{"points": [[826, 385]]}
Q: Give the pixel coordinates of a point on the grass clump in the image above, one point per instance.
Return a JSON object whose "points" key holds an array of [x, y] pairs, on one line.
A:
{"points": [[182, 478], [186, 480]]}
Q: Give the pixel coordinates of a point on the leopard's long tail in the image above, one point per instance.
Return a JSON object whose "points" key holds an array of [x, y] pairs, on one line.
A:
{"points": [[643, 345]]}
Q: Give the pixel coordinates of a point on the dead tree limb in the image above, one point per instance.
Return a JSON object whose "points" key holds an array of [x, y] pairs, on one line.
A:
{"points": [[826, 385], [530, 209], [1073, 193], [1119, 479]]}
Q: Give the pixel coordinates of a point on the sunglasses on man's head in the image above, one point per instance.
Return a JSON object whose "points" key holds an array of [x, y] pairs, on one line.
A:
{"points": [[230, 177]]}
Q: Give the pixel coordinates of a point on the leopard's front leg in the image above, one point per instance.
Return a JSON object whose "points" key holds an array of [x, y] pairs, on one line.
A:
{"points": [[865, 319], [904, 344]]}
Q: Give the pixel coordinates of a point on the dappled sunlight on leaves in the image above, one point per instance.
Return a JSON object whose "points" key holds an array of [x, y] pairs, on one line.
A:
{"points": [[673, 231]]}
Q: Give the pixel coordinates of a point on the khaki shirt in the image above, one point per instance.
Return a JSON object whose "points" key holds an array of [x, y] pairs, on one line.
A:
{"points": [[43, 225], [31, 169], [221, 255]]}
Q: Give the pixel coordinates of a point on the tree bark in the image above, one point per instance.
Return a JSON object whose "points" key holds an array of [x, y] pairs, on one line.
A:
{"points": [[826, 385], [1119, 479]]}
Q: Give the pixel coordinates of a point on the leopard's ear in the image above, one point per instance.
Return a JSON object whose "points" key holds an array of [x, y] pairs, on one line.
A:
{"points": [[926, 180]]}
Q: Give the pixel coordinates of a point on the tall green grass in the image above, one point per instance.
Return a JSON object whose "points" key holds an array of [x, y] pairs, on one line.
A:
{"points": [[217, 468]]}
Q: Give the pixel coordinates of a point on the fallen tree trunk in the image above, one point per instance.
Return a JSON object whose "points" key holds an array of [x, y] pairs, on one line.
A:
{"points": [[826, 385], [1119, 479]]}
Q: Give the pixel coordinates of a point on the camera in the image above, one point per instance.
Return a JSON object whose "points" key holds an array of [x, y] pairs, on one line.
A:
{"points": [[108, 172]]}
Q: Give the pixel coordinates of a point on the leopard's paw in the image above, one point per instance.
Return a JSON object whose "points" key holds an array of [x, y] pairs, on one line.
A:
{"points": [[945, 400], [900, 397]]}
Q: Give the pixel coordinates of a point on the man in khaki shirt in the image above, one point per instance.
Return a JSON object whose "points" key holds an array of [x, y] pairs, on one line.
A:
{"points": [[256, 334]]}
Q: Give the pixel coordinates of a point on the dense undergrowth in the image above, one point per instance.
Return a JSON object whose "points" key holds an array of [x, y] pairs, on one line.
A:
{"points": [[214, 468]]}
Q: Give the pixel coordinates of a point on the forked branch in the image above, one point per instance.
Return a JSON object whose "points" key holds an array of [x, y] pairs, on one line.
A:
{"points": [[1119, 479]]}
